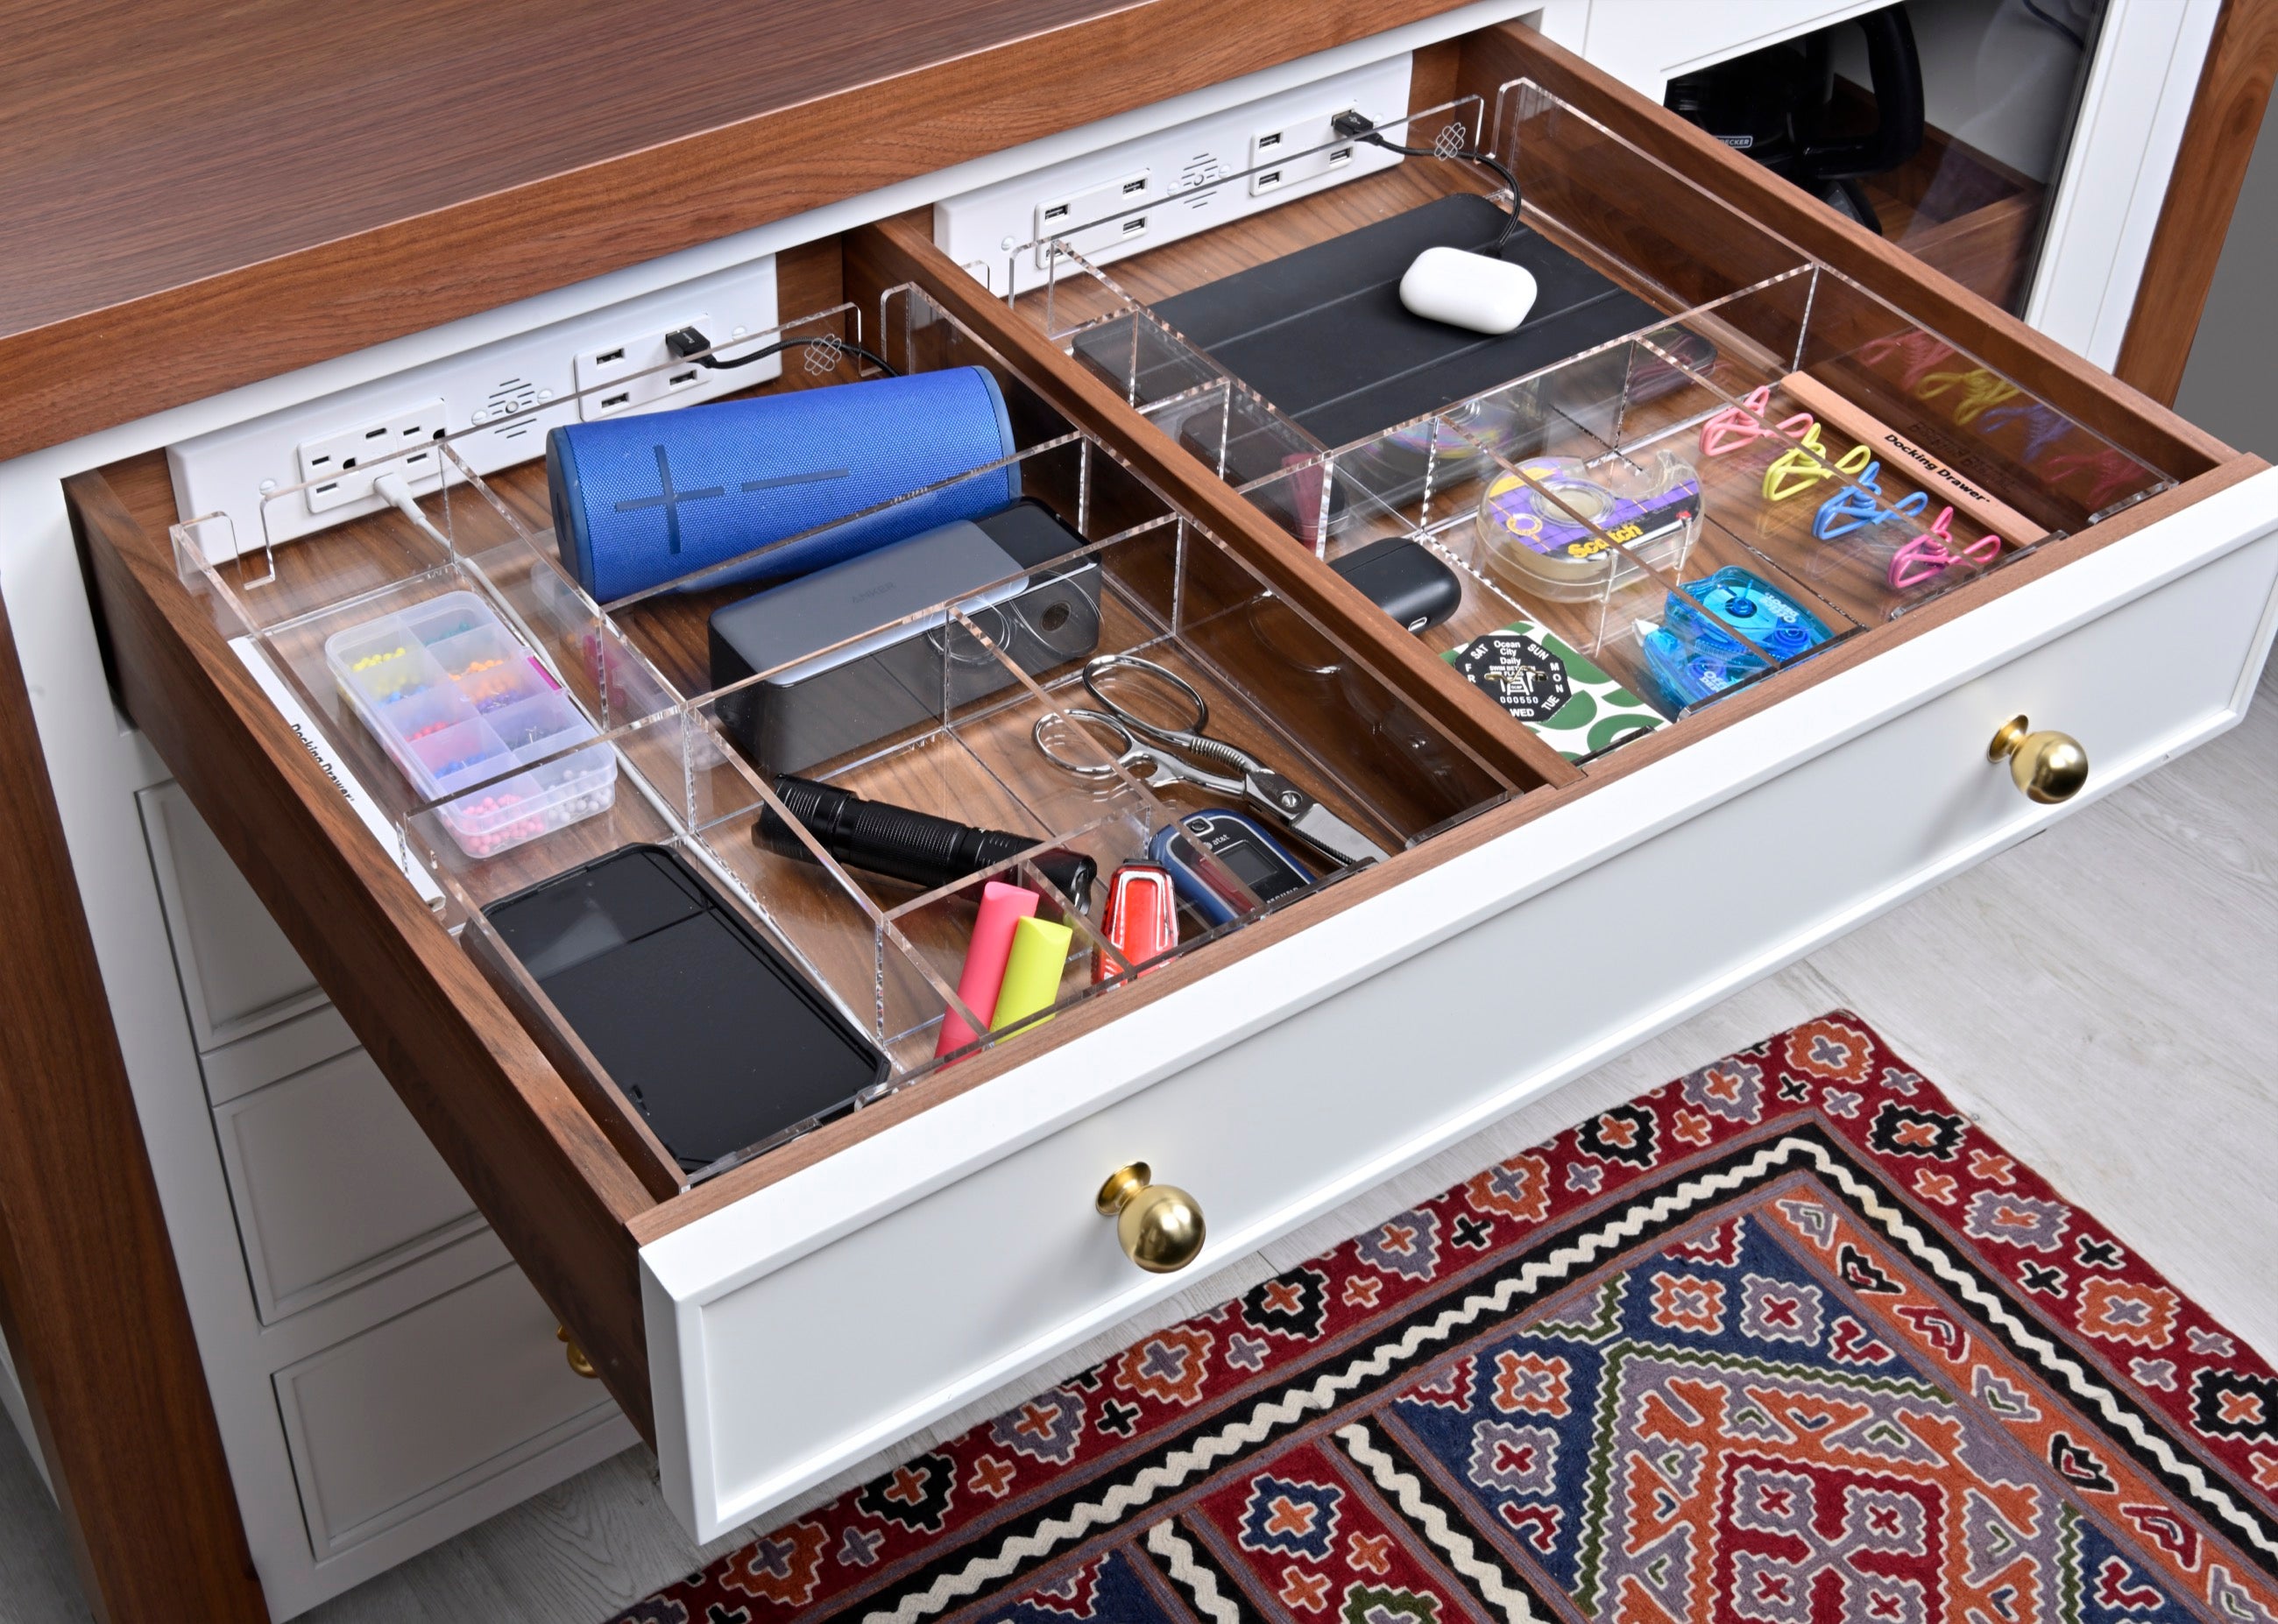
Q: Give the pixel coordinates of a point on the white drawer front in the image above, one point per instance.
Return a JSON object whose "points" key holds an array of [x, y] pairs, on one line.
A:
{"points": [[779, 1328], [333, 1182], [428, 1406], [239, 973]]}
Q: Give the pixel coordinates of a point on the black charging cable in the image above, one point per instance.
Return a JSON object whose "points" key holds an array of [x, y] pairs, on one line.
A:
{"points": [[690, 344], [1359, 126]]}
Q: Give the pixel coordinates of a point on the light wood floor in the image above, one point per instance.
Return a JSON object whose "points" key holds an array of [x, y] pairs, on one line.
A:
{"points": [[2103, 997]]}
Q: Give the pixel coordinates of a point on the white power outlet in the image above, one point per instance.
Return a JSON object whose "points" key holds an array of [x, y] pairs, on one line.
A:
{"points": [[1289, 155], [496, 403], [1182, 172], [1117, 211], [637, 375], [338, 468]]}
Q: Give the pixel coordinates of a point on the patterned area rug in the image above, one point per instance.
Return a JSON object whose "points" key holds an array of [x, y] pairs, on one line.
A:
{"points": [[1788, 1340]]}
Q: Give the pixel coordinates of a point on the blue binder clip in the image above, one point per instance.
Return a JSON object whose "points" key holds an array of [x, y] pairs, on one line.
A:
{"points": [[1859, 507]]}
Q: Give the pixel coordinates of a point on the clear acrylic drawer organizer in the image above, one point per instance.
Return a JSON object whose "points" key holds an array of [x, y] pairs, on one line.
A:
{"points": [[634, 673], [1749, 322]]}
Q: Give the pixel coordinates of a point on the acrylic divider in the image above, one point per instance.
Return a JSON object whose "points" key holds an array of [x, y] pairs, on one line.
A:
{"points": [[1621, 417], [1085, 307], [1749, 312], [1899, 375], [998, 675], [1602, 199], [1184, 237], [1282, 687], [1954, 411], [1794, 472], [1277, 683], [291, 609]]}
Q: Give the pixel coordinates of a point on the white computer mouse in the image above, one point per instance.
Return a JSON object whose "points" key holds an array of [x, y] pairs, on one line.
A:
{"points": [[1468, 290]]}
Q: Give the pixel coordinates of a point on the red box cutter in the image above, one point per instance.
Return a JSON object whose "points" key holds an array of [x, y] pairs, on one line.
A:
{"points": [[1141, 917]]}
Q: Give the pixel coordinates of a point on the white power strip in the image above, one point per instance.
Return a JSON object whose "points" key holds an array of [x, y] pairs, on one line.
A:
{"points": [[511, 392], [1173, 183]]}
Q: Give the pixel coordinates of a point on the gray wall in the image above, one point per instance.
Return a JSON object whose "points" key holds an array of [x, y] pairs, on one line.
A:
{"points": [[2230, 383]]}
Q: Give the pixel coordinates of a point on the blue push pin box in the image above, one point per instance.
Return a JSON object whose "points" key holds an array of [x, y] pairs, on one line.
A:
{"points": [[639, 501]]}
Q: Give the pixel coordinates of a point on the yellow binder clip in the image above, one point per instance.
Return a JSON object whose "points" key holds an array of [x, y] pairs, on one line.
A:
{"points": [[1794, 472]]}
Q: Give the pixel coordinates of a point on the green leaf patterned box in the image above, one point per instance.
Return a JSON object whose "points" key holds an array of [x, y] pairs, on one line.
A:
{"points": [[1540, 679]]}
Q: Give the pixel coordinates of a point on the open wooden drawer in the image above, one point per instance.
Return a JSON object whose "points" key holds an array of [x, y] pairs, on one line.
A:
{"points": [[755, 1315]]}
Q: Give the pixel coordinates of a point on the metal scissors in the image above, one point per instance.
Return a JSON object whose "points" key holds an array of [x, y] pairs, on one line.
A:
{"points": [[1161, 751]]}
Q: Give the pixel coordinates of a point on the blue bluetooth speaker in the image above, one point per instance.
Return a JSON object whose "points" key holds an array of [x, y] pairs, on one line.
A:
{"points": [[639, 501]]}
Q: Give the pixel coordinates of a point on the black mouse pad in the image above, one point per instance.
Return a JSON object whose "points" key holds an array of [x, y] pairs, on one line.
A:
{"points": [[716, 1039], [1322, 334]]}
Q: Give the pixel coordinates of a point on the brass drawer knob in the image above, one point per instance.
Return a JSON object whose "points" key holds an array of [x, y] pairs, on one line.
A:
{"points": [[1160, 1225], [578, 1362], [2049, 766]]}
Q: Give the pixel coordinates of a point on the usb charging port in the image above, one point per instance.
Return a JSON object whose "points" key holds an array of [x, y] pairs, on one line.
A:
{"points": [[679, 378], [1272, 177], [1266, 142], [1130, 186], [1342, 154], [1132, 228], [1057, 211], [619, 399], [609, 357]]}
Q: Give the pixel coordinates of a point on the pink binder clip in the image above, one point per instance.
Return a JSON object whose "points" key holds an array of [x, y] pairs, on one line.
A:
{"points": [[1932, 553], [1736, 425], [1744, 424]]}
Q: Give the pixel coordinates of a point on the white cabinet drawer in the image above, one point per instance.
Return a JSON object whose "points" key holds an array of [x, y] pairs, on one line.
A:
{"points": [[239, 973], [429, 1406], [333, 1182], [1319, 1066]]}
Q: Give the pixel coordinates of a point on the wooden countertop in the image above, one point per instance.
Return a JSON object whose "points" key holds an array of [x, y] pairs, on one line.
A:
{"points": [[228, 189]]}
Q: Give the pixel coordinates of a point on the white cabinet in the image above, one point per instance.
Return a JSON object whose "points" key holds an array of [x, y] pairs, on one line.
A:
{"points": [[2098, 137], [333, 1184], [1644, 44], [391, 1425]]}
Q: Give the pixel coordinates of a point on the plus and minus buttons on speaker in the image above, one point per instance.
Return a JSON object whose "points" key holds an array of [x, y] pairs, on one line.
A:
{"points": [[669, 500]]}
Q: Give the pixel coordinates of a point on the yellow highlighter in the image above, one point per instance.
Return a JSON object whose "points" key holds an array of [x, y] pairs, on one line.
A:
{"points": [[1032, 973]]}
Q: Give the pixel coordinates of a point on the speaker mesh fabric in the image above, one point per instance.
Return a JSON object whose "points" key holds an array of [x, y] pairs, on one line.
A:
{"points": [[639, 501]]}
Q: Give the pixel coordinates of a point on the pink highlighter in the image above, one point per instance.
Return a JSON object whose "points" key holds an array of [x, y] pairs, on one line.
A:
{"points": [[1002, 907]]}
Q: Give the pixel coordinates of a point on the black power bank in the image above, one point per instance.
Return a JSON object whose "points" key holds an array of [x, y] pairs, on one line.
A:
{"points": [[715, 1038], [827, 696]]}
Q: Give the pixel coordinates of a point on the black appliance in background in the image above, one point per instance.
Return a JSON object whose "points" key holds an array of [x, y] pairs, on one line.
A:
{"points": [[1777, 105]]}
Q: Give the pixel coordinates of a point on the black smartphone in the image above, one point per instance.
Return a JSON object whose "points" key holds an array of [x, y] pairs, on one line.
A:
{"points": [[713, 1035]]}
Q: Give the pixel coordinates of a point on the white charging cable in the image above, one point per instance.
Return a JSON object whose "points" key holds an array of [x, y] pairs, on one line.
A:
{"points": [[390, 488]]}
